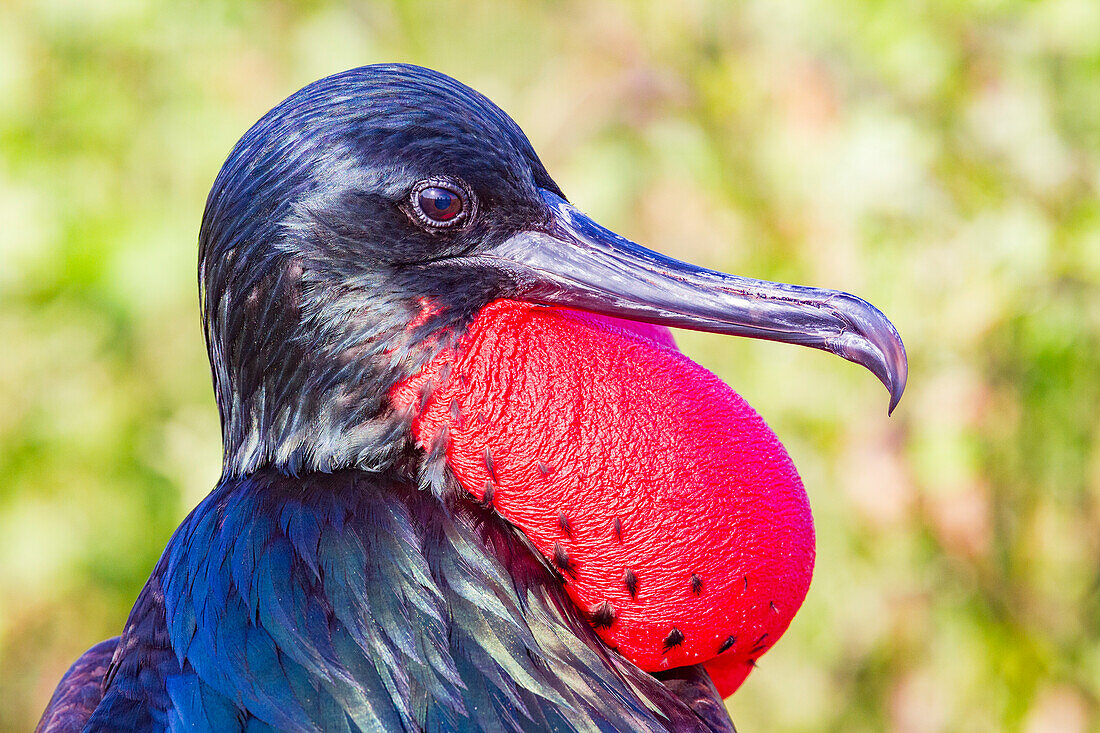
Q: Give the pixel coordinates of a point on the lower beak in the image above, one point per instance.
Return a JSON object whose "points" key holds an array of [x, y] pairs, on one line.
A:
{"points": [[575, 262]]}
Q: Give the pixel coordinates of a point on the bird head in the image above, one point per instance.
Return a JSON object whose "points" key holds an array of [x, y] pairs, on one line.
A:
{"points": [[360, 225], [335, 256]]}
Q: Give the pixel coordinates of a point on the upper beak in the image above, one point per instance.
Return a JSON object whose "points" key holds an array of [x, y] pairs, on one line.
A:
{"points": [[576, 262]]}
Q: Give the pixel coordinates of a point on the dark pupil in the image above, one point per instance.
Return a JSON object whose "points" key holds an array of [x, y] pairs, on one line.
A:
{"points": [[439, 203]]}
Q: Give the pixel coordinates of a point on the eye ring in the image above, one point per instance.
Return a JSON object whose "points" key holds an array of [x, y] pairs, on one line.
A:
{"points": [[442, 203]]}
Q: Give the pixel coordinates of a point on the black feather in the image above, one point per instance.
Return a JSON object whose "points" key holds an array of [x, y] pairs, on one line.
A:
{"points": [[630, 580], [562, 560], [603, 616], [563, 525]]}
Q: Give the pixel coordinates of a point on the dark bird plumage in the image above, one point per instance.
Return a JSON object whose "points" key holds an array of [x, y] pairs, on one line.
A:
{"points": [[337, 579], [350, 601]]}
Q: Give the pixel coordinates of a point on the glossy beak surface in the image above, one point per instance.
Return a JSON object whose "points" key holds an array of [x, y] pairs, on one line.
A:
{"points": [[575, 262]]}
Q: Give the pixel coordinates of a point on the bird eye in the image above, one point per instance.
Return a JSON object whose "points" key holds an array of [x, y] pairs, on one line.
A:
{"points": [[440, 203]]}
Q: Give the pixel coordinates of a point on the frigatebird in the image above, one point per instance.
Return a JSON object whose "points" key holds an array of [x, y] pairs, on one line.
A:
{"points": [[469, 483]]}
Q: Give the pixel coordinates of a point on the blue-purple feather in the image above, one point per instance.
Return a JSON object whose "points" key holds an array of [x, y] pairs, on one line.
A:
{"points": [[350, 602]]}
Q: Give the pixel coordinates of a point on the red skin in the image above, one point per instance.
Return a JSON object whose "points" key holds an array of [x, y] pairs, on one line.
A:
{"points": [[626, 427]]}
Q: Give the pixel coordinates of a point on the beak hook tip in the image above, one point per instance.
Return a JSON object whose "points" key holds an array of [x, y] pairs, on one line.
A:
{"points": [[896, 386], [895, 398]]}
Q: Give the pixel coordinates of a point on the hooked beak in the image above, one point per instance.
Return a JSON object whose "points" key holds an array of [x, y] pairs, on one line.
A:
{"points": [[575, 262]]}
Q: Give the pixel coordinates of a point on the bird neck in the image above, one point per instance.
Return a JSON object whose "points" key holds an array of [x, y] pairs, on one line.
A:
{"points": [[321, 582], [313, 602], [303, 371]]}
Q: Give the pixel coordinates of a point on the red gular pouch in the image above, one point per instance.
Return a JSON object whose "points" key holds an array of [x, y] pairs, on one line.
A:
{"points": [[672, 512]]}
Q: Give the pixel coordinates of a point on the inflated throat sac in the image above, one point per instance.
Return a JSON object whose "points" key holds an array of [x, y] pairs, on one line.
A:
{"points": [[672, 512]]}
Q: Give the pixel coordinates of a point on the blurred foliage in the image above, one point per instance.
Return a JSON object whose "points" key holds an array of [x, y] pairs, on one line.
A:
{"points": [[940, 158]]}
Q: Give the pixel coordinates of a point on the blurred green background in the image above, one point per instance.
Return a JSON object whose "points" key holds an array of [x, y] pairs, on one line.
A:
{"points": [[941, 159]]}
